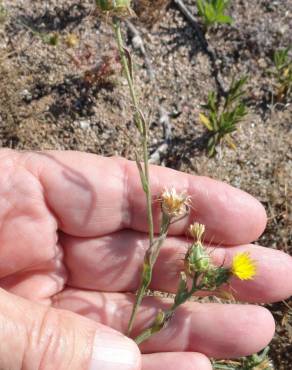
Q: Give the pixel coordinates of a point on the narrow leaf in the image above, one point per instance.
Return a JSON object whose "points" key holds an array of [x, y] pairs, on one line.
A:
{"points": [[230, 142], [204, 120], [224, 19]]}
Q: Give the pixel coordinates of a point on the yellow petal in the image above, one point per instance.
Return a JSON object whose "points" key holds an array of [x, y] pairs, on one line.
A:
{"points": [[243, 266]]}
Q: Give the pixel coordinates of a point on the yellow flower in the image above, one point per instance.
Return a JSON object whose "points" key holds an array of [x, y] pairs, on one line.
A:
{"points": [[174, 204], [243, 266]]}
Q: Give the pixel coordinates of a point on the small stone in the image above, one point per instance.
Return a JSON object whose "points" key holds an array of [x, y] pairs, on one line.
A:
{"points": [[26, 95], [262, 63], [84, 124]]}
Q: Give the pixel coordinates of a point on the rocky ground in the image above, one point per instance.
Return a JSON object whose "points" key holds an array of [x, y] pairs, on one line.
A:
{"points": [[72, 96]]}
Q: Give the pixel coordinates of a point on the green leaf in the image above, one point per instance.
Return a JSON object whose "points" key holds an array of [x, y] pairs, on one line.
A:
{"points": [[130, 62], [182, 290], [212, 101], [142, 175], [210, 13], [219, 6], [224, 19], [211, 146], [280, 58], [201, 9], [214, 120]]}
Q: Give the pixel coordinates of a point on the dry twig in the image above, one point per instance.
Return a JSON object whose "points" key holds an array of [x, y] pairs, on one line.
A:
{"points": [[156, 156], [208, 50], [138, 44]]}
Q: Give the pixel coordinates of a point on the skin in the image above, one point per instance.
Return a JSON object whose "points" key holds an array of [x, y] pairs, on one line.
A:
{"points": [[73, 236]]}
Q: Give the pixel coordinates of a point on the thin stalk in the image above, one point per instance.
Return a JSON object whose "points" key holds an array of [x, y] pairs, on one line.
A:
{"points": [[149, 262], [154, 246], [167, 314], [224, 367], [140, 123]]}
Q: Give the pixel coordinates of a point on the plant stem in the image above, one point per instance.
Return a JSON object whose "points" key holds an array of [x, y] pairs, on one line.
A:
{"points": [[149, 261], [224, 367], [141, 125], [167, 314], [144, 174]]}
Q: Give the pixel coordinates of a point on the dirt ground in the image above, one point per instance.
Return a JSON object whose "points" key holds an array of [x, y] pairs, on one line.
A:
{"points": [[72, 96]]}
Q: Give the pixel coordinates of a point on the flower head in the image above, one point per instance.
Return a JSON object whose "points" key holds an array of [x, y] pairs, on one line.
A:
{"points": [[174, 204], [197, 230], [243, 266]]}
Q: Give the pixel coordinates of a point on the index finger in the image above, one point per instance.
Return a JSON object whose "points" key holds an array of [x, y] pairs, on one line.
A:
{"points": [[93, 196]]}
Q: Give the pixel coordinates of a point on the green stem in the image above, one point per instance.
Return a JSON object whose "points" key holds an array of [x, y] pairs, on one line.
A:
{"points": [[140, 124], [167, 315], [223, 367], [142, 127], [149, 262], [119, 38]]}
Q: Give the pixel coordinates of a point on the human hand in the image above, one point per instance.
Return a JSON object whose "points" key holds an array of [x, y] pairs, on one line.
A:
{"points": [[72, 240]]}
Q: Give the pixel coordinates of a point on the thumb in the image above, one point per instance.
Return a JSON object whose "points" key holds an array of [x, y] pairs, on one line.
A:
{"points": [[35, 337]]}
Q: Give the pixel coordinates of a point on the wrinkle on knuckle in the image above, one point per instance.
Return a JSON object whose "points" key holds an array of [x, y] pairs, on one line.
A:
{"points": [[14, 333], [45, 340]]}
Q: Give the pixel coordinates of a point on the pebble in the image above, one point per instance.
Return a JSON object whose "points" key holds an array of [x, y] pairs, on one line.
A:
{"points": [[84, 124], [26, 95]]}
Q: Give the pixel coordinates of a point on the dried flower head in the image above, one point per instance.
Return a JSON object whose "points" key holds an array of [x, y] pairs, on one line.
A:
{"points": [[72, 40], [174, 204], [197, 230], [243, 266]]}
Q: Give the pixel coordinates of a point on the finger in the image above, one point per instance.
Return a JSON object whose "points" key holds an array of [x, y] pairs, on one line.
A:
{"points": [[93, 196], [113, 263], [216, 330], [36, 337], [176, 360]]}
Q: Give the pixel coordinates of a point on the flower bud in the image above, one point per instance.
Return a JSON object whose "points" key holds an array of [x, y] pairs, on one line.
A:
{"points": [[197, 259], [116, 7]]}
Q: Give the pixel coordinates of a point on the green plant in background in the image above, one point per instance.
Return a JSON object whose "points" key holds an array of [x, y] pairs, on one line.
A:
{"points": [[3, 13], [221, 120], [282, 72], [213, 12], [117, 7], [49, 39], [254, 362]]}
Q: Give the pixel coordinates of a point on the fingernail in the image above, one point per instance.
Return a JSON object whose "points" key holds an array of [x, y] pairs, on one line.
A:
{"points": [[112, 351]]}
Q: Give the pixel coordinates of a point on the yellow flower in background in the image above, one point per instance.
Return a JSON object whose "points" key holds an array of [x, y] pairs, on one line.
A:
{"points": [[72, 40], [243, 266]]}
